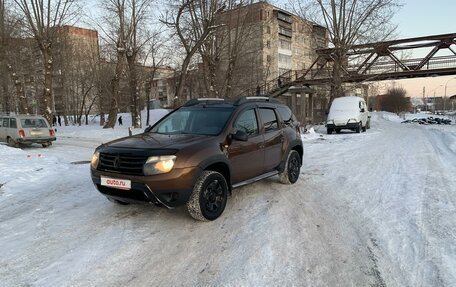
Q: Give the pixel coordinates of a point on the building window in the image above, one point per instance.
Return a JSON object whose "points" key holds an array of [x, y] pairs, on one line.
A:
{"points": [[268, 29], [285, 59], [268, 44], [283, 71], [268, 58], [285, 44]]}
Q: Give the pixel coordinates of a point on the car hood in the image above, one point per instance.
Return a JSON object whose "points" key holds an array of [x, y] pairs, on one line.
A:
{"points": [[151, 141], [343, 114]]}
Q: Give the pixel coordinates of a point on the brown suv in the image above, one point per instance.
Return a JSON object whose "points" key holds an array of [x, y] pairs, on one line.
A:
{"points": [[199, 152]]}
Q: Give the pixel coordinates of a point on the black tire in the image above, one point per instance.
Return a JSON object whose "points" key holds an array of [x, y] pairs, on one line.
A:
{"points": [[368, 124], [358, 128], [290, 173], [12, 143], [337, 131], [329, 131], [209, 196], [365, 128]]}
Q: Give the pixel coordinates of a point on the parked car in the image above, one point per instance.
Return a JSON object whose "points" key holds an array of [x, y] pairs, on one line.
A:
{"points": [[348, 113], [18, 130], [199, 152]]}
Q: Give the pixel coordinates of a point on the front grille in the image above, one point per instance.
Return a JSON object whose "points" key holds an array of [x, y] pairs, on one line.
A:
{"points": [[134, 194], [132, 165]]}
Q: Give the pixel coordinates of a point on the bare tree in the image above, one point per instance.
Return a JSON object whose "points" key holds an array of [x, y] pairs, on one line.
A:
{"points": [[114, 20], [42, 18], [156, 57], [126, 24], [9, 55], [136, 38], [395, 100], [348, 22], [193, 21]]}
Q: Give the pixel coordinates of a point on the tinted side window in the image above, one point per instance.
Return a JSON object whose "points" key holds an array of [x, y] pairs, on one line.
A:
{"points": [[247, 122], [1, 122], [286, 114], [5, 123], [13, 124], [269, 119]]}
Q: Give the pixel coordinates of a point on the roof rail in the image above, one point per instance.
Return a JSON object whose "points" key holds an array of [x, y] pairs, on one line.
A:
{"points": [[193, 102], [242, 100]]}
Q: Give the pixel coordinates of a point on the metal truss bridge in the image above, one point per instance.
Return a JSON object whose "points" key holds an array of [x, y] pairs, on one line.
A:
{"points": [[373, 62]]}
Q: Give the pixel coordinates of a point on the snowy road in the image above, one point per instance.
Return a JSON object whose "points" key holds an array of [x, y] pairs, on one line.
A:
{"points": [[370, 209]]}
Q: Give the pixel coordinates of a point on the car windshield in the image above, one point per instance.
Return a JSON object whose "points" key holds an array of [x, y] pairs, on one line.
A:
{"points": [[198, 121], [33, 123]]}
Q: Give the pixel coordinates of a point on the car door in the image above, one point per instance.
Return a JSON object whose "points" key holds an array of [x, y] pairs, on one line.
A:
{"points": [[246, 157], [2, 132], [12, 131], [273, 138], [363, 113], [4, 129]]}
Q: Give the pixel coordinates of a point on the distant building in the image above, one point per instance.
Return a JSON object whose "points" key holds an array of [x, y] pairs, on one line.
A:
{"points": [[162, 86], [274, 42], [76, 61]]}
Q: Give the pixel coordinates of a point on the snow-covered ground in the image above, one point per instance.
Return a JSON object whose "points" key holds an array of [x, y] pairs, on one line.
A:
{"points": [[370, 209]]}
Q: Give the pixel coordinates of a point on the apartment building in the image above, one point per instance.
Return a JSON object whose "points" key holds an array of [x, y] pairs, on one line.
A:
{"points": [[272, 42]]}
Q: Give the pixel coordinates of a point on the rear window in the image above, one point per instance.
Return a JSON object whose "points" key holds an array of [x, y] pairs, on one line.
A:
{"points": [[33, 123]]}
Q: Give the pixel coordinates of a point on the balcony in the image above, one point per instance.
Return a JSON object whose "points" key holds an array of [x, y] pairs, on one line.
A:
{"points": [[285, 31], [284, 17]]}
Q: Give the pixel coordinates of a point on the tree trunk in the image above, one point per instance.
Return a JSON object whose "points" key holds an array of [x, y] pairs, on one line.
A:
{"points": [[20, 93], [336, 85], [148, 84], [47, 89], [101, 103], [112, 117], [182, 77], [134, 91]]}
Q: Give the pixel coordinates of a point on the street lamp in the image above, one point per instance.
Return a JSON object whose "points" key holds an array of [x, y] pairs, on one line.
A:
{"points": [[444, 99]]}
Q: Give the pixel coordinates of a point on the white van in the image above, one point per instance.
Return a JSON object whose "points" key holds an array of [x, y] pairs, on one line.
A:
{"points": [[348, 113], [17, 130]]}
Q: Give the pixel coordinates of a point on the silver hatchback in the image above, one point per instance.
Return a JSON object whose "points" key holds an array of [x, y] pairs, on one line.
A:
{"points": [[17, 130]]}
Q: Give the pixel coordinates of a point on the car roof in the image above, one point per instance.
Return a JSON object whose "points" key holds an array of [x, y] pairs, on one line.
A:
{"points": [[222, 103], [349, 99]]}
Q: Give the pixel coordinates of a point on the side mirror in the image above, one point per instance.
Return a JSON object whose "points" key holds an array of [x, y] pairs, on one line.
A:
{"points": [[326, 112], [240, 136], [362, 110]]}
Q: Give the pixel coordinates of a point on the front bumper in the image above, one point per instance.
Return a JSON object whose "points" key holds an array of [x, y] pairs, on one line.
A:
{"points": [[170, 189], [350, 126]]}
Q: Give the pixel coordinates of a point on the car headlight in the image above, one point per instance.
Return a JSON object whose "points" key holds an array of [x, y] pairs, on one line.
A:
{"points": [[352, 120], [95, 159], [330, 121], [159, 164]]}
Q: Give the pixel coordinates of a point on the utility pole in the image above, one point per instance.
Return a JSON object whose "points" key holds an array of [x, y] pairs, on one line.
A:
{"points": [[424, 99]]}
